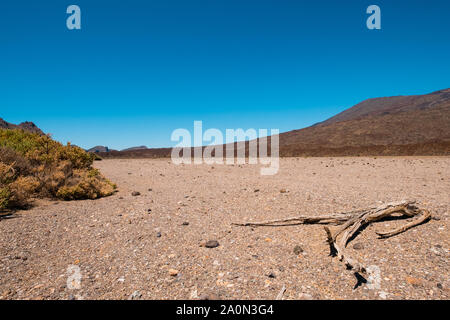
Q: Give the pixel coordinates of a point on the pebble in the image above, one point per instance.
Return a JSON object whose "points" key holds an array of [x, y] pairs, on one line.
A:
{"points": [[135, 296], [158, 234], [173, 272], [414, 281], [358, 246], [211, 244], [185, 223], [298, 250], [135, 193]]}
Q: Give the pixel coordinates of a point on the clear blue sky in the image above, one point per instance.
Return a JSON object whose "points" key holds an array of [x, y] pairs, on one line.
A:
{"points": [[137, 70]]}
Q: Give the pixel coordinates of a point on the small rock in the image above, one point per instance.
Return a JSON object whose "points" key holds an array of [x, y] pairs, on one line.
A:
{"points": [[283, 191], [135, 296], [149, 211], [383, 295], [414, 281], [256, 190], [271, 275], [150, 189], [298, 250], [439, 286], [173, 272], [305, 296], [210, 296], [21, 256], [212, 244], [185, 223], [135, 193], [358, 246], [194, 294], [158, 234]]}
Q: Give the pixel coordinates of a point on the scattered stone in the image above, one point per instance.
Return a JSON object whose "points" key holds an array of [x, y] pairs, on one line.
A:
{"points": [[439, 286], [211, 244], [173, 272], [21, 256], [211, 296], [256, 190], [414, 281], [358, 246], [194, 294], [298, 250], [135, 193], [305, 296], [283, 191], [135, 296], [150, 189], [185, 223], [149, 210], [271, 275], [158, 234]]}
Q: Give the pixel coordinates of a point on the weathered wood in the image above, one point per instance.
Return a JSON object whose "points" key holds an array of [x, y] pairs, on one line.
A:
{"points": [[423, 218], [350, 223]]}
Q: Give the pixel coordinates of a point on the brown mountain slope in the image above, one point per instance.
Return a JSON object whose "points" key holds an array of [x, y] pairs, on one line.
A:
{"points": [[389, 105], [404, 125], [27, 126]]}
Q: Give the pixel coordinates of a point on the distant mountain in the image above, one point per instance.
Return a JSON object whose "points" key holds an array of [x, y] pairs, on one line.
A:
{"points": [[390, 124], [135, 148], [392, 105], [27, 126], [401, 125], [98, 149]]}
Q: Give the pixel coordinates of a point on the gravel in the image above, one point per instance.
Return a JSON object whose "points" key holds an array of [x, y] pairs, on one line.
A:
{"points": [[114, 238]]}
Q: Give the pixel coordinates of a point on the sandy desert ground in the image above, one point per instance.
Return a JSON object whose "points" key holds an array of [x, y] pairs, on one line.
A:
{"points": [[151, 246]]}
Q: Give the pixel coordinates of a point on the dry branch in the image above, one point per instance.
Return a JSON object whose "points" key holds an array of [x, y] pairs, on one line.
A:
{"points": [[350, 223], [423, 218]]}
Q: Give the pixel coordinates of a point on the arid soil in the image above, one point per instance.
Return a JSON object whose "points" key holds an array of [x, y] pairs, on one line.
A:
{"points": [[152, 245]]}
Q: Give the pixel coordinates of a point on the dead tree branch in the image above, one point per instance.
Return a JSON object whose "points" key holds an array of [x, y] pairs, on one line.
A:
{"points": [[350, 223]]}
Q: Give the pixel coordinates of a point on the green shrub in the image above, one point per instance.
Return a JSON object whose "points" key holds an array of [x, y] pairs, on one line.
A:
{"points": [[33, 164], [4, 198]]}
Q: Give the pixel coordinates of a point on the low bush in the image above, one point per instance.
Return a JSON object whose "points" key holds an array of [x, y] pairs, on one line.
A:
{"points": [[36, 165]]}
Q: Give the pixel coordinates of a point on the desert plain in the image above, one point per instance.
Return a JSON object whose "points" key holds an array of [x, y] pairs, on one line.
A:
{"points": [[147, 241]]}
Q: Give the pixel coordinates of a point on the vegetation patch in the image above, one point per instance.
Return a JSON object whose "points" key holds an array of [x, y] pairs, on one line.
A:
{"points": [[36, 165]]}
